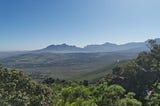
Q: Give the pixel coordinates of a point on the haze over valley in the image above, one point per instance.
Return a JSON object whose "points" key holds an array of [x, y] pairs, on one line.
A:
{"points": [[79, 53], [71, 62]]}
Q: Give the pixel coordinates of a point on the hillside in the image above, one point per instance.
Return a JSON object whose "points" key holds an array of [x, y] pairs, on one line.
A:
{"points": [[17, 89], [63, 48], [66, 65], [71, 62], [131, 83]]}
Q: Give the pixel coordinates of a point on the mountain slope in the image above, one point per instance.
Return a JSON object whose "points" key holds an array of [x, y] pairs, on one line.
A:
{"points": [[106, 47], [63, 48], [109, 47], [64, 65], [70, 62]]}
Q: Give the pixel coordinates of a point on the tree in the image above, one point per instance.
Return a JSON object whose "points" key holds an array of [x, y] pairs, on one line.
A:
{"points": [[129, 100], [153, 99], [139, 74], [16, 89]]}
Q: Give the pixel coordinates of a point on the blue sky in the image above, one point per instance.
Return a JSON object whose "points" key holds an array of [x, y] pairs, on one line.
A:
{"points": [[34, 24]]}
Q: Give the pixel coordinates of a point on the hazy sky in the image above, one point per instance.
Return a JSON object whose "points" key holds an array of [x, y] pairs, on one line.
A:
{"points": [[34, 24]]}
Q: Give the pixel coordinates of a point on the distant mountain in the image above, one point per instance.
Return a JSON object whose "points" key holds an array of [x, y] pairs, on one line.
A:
{"points": [[110, 47], [63, 48], [106, 47], [66, 62], [101, 48]]}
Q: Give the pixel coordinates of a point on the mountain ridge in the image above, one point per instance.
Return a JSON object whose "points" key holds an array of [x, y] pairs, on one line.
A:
{"points": [[106, 47]]}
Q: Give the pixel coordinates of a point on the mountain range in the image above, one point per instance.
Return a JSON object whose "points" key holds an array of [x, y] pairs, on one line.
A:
{"points": [[71, 62], [106, 47]]}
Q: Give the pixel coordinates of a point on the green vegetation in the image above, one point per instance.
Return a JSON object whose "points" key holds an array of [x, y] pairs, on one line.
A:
{"points": [[68, 66], [94, 95], [132, 83], [16, 89], [141, 73]]}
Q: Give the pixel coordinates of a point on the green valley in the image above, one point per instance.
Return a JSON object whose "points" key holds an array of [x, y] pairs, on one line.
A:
{"points": [[131, 83], [75, 66]]}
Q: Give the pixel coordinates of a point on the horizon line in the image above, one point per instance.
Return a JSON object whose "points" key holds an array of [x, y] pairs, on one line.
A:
{"points": [[77, 46]]}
